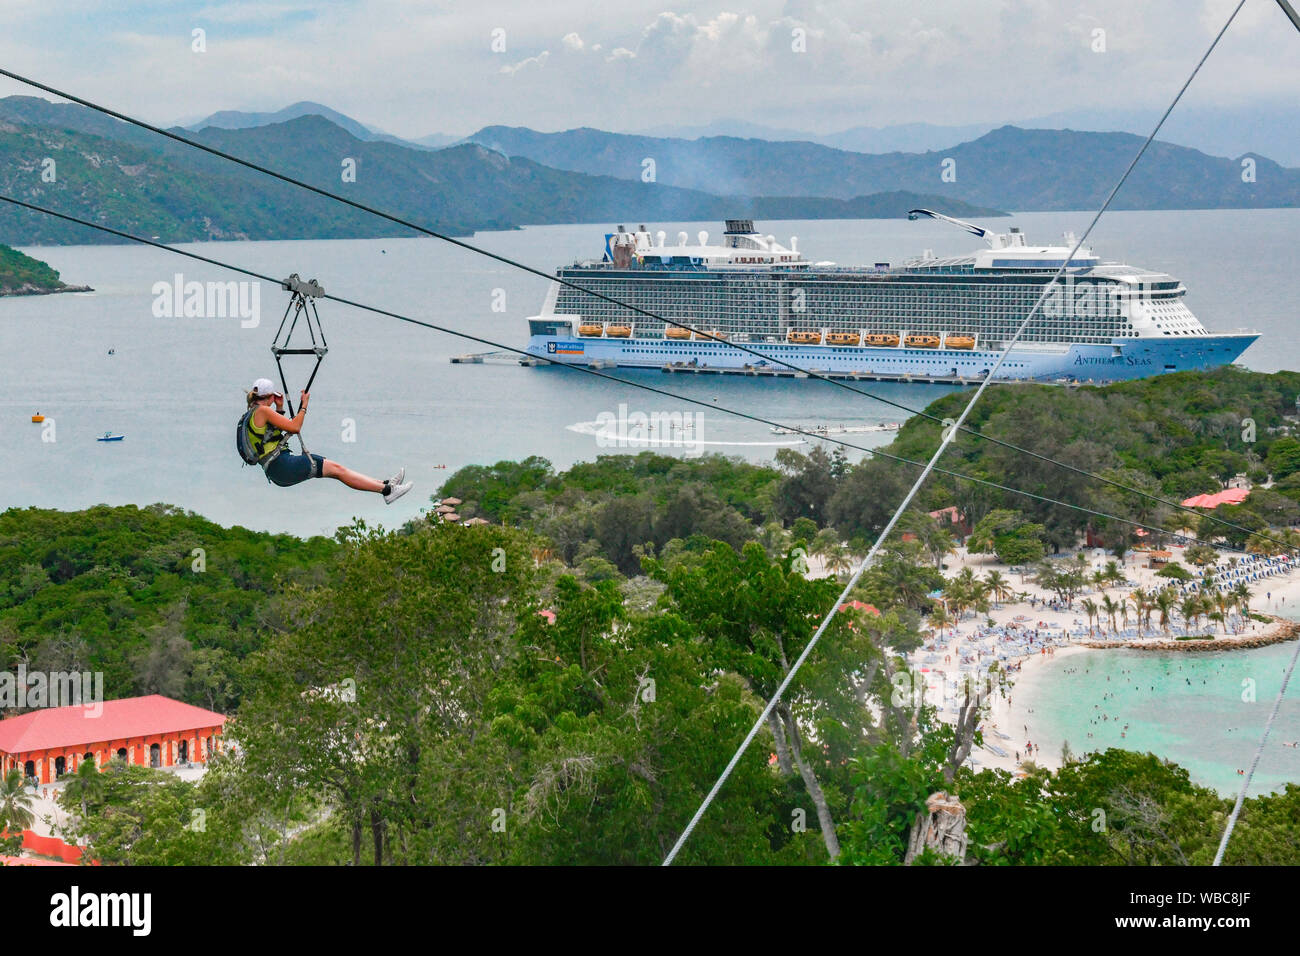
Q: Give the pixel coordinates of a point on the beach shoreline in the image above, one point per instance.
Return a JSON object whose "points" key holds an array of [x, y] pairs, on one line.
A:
{"points": [[1006, 650]]}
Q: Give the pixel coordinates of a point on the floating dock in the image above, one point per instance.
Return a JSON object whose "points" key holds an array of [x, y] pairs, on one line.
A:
{"points": [[485, 358]]}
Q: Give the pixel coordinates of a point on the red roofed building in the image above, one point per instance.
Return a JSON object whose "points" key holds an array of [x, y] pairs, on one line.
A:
{"points": [[953, 520], [1229, 496], [153, 731], [861, 606]]}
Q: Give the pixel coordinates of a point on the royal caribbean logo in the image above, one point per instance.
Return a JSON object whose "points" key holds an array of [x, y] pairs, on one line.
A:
{"points": [[565, 348]]}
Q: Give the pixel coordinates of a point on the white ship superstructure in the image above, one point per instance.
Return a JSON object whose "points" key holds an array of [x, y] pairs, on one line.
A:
{"points": [[945, 318]]}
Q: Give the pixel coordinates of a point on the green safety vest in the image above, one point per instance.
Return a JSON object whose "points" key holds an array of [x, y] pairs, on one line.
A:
{"points": [[266, 441]]}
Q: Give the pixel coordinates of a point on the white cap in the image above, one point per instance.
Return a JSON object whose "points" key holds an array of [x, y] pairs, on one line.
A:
{"points": [[264, 387]]}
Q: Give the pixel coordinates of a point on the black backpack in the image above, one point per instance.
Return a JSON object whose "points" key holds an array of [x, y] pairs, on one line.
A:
{"points": [[250, 449]]}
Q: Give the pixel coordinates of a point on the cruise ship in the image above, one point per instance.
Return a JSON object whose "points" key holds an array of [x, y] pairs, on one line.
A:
{"points": [[936, 318]]}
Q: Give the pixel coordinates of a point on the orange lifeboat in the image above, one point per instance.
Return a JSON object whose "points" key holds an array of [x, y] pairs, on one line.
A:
{"points": [[887, 339], [619, 331], [804, 338], [590, 330], [842, 338], [673, 332], [960, 342], [922, 341], [37, 418], [712, 334]]}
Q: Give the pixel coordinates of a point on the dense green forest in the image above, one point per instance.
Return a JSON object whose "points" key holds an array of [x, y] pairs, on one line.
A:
{"points": [[22, 273], [159, 600], [401, 697], [1172, 436]]}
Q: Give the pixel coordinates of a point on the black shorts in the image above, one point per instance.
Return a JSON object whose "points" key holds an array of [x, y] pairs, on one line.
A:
{"points": [[289, 469]]}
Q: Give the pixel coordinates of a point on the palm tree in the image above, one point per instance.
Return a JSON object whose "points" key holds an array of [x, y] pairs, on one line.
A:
{"points": [[998, 586], [1190, 608], [1115, 573], [937, 540], [1139, 601], [905, 581], [1091, 609], [1242, 595], [1111, 607], [962, 591], [1222, 602], [825, 541], [85, 786], [838, 561], [940, 618], [1165, 600], [15, 803]]}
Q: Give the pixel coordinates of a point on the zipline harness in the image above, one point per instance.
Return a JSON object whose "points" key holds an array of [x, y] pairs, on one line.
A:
{"points": [[302, 303], [264, 448]]}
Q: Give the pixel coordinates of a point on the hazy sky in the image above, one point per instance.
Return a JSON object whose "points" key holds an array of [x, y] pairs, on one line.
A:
{"points": [[414, 67]]}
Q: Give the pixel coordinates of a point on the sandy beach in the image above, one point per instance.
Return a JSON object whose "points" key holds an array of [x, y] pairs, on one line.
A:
{"points": [[1006, 652]]}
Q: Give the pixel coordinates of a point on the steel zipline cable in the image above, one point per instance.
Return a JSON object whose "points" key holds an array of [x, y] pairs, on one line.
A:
{"points": [[515, 264], [945, 440], [1259, 752], [1290, 669]]}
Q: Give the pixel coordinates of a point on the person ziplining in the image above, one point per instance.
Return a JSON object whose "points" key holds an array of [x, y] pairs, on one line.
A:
{"points": [[262, 436]]}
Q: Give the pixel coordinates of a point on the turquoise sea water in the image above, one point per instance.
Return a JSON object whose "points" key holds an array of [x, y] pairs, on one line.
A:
{"points": [[1192, 708]]}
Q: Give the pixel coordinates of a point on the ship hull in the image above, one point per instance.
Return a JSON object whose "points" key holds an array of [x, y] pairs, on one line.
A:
{"points": [[1122, 360]]}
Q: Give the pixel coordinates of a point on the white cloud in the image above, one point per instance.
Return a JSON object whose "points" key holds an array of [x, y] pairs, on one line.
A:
{"points": [[414, 68], [538, 61]]}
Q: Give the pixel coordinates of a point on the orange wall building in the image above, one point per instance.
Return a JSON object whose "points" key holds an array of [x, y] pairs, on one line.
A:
{"points": [[153, 731]]}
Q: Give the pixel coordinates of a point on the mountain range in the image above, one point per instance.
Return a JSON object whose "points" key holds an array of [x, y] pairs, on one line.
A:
{"points": [[1010, 168], [108, 171], [1267, 129], [504, 177], [237, 119], [1271, 130]]}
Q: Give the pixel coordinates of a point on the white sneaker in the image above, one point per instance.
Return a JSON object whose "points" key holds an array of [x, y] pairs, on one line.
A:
{"points": [[398, 478], [396, 491]]}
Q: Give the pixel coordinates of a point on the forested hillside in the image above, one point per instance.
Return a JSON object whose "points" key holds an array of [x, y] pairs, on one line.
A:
{"points": [[564, 684]]}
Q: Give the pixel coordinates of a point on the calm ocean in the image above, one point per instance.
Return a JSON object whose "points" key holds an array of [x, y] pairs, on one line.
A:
{"points": [[174, 385]]}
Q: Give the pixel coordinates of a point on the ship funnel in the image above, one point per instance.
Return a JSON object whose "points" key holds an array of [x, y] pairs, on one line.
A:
{"points": [[794, 243], [661, 236], [703, 237], [681, 238]]}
